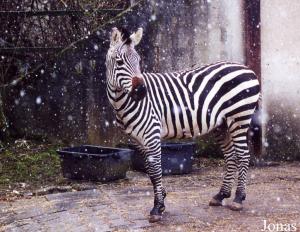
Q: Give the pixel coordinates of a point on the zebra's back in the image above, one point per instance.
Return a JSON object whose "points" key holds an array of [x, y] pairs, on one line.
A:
{"points": [[193, 102]]}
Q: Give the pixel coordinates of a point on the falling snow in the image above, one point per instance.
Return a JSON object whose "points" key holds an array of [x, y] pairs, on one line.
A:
{"points": [[71, 91], [153, 17], [22, 93], [38, 100]]}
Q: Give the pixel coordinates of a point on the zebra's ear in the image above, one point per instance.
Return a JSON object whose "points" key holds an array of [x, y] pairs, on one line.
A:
{"points": [[137, 36], [115, 36]]}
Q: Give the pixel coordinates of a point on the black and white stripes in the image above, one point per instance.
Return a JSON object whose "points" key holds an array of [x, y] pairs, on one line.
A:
{"points": [[220, 97]]}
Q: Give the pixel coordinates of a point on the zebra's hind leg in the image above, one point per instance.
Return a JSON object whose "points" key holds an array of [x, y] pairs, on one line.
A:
{"points": [[152, 156], [243, 158], [227, 147]]}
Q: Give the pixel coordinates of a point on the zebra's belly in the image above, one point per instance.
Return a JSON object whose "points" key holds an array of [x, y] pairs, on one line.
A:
{"points": [[170, 131], [180, 133]]}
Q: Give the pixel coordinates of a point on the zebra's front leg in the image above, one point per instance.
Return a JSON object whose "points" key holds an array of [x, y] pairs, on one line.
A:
{"points": [[152, 156]]}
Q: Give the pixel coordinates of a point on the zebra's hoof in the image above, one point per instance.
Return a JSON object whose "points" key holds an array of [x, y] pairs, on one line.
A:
{"points": [[155, 218], [214, 202], [235, 206]]}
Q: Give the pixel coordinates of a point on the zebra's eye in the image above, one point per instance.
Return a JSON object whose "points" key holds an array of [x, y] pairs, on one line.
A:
{"points": [[120, 62]]}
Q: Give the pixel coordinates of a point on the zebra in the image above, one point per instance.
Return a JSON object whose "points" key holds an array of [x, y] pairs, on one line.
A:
{"points": [[219, 98]]}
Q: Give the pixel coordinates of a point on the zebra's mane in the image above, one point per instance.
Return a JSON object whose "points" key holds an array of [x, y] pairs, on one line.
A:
{"points": [[125, 35]]}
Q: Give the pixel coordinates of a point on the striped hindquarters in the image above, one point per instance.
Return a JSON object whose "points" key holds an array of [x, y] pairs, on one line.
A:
{"points": [[193, 102]]}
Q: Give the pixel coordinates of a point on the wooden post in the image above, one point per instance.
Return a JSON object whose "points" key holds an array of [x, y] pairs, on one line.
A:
{"points": [[252, 35], [253, 58]]}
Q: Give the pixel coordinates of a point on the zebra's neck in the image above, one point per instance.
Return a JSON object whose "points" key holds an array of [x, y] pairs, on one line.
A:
{"points": [[129, 113]]}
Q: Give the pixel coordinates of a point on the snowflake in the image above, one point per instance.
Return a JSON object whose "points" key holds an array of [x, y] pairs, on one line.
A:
{"points": [[38, 100], [153, 17], [181, 166], [22, 93]]}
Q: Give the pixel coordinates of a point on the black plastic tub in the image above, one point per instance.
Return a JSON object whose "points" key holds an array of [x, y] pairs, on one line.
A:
{"points": [[95, 163], [176, 158]]}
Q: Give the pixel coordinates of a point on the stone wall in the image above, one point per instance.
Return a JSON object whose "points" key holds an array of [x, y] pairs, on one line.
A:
{"points": [[280, 42], [184, 33]]}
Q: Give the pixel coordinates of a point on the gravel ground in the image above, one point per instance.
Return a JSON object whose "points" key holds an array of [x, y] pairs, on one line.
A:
{"points": [[273, 198]]}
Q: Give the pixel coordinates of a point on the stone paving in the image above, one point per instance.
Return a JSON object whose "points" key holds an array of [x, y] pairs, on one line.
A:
{"points": [[273, 195]]}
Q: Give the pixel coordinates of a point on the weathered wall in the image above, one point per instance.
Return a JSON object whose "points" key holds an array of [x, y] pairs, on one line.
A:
{"points": [[74, 107], [185, 33], [280, 44]]}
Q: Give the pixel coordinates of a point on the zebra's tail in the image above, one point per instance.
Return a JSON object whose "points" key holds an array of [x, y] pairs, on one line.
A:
{"points": [[259, 101], [256, 129]]}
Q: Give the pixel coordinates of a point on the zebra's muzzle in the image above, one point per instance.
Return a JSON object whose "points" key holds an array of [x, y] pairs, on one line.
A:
{"points": [[139, 89]]}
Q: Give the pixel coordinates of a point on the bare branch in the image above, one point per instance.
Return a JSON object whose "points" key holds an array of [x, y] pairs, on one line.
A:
{"points": [[101, 26], [17, 79]]}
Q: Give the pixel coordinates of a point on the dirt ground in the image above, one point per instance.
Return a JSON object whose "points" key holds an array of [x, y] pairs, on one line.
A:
{"points": [[273, 198]]}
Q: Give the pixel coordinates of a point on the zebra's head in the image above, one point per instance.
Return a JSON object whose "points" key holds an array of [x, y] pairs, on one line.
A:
{"points": [[123, 64]]}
